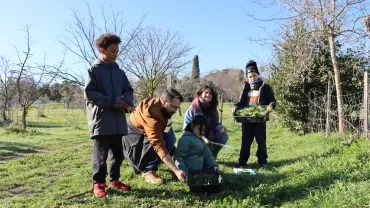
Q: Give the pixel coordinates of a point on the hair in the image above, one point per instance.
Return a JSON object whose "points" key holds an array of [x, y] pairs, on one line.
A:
{"points": [[107, 39], [171, 94], [214, 101], [197, 120]]}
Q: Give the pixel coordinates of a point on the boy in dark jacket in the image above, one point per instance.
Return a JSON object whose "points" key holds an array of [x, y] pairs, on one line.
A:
{"points": [[255, 92], [108, 95]]}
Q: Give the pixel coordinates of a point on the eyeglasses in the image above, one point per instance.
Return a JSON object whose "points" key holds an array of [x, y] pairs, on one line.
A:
{"points": [[173, 106]]}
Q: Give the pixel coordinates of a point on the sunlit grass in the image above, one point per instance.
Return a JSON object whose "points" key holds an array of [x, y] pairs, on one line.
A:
{"points": [[52, 161]]}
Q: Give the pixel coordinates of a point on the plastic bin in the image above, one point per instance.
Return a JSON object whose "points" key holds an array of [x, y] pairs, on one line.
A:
{"points": [[251, 119], [214, 185]]}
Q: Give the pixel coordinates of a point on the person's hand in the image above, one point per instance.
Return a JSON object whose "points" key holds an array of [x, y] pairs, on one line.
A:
{"points": [[269, 108], [223, 130], [217, 169], [131, 109], [233, 109], [181, 175], [121, 104], [207, 141]]}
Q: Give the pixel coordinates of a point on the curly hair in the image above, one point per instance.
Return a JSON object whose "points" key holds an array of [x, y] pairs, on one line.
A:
{"points": [[105, 40]]}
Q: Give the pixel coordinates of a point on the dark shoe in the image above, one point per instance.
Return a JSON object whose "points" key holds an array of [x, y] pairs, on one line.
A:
{"points": [[120, 186], [99, 190], [263, 166], [240, 165]]}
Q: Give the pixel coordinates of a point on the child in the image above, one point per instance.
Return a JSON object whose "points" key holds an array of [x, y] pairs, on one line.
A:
{"points": [[205, 103], [108, 95], [255, 92], [192, 153]]}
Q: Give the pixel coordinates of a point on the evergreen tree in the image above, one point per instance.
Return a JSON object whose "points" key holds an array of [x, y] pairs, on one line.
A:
{"points": [[195, 70]]}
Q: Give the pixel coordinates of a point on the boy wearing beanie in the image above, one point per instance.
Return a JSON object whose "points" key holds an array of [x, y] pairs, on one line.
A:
{"points": [[255, 92]]}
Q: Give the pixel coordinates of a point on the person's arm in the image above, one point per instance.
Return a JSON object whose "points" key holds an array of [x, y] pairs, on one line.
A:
{"points": [[243, 98], [270, 97], [93, 95], [152, 128], [182, 150], [181, 175], [209, 160]]}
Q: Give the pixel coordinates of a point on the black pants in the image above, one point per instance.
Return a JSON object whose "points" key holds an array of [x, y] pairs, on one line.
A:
{"points": [[249, 132], [104, 146]]}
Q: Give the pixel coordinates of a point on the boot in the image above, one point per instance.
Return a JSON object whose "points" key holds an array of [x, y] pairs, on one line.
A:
{"points": [[152, 177]]}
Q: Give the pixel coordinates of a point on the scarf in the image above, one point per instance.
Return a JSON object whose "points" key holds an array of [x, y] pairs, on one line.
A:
{"points": [[256, 83], [200, 107]]}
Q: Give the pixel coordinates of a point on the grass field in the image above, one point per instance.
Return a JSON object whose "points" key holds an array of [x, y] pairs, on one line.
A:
{"points": [[52, 161]]}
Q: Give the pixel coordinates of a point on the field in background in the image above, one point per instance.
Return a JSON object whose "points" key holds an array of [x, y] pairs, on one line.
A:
{"points": [[52, 161]]}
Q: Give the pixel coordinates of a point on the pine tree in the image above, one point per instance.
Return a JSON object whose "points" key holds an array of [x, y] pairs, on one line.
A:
{"points": [[195, 72]]}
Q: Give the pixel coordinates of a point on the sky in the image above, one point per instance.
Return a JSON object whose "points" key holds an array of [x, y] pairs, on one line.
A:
{"points": [[220, 31]]}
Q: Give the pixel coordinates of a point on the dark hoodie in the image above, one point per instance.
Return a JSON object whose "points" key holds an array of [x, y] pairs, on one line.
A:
{"points": [[104, 83]]}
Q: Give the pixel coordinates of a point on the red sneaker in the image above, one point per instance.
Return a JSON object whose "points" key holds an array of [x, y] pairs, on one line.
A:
{"points": [[99, 190], [120, 186]]}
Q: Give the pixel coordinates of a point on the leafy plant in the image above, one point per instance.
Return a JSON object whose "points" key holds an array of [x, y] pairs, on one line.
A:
{"points": [[255, 111], [202, 179]]}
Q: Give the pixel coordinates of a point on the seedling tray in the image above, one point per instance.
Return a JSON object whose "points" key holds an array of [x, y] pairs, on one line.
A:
{"points": [[212, 184], [251, 119]]}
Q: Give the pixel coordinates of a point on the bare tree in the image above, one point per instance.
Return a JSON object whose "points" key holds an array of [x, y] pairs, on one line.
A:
{"points": [[81, 33], [28, 76], [6, 88], [70, 93], [155, 53], [227, 82], [333, 19]]}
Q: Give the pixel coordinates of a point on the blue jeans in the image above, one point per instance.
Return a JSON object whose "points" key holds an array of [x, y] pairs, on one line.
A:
{"points": [[219, 138], [170, 139]]}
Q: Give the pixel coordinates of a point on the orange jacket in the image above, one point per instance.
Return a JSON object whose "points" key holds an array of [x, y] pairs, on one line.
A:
{"points": [[149, 120]]}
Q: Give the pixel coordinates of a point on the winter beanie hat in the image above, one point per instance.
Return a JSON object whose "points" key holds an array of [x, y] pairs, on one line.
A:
{"points": [[251, 67]]}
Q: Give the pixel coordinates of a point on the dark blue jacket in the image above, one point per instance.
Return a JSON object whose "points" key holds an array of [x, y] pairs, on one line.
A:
{"points": [[104, 83]]}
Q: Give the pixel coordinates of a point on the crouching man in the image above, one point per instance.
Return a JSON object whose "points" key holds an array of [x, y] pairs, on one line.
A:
{"points": [[150, 138]]}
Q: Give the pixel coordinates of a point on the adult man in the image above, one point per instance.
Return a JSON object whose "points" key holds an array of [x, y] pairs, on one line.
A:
{"points": [[150, 138]]}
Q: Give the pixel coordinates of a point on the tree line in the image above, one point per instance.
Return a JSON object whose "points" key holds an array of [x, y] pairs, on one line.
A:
{"points": [[317, 43]]}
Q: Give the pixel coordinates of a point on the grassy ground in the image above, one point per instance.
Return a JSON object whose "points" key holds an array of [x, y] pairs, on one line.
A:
{"points": [[52, 161]]}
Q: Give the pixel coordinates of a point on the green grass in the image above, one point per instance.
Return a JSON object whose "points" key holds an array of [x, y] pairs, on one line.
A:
{"points": [[52, 161]]}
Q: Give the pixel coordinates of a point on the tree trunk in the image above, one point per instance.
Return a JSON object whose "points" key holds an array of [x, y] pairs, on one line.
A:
{"points": [[3, 115], [338, 86], [222, 105], [366, 105], [24, 115], [68, 101], [328, 104]]}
